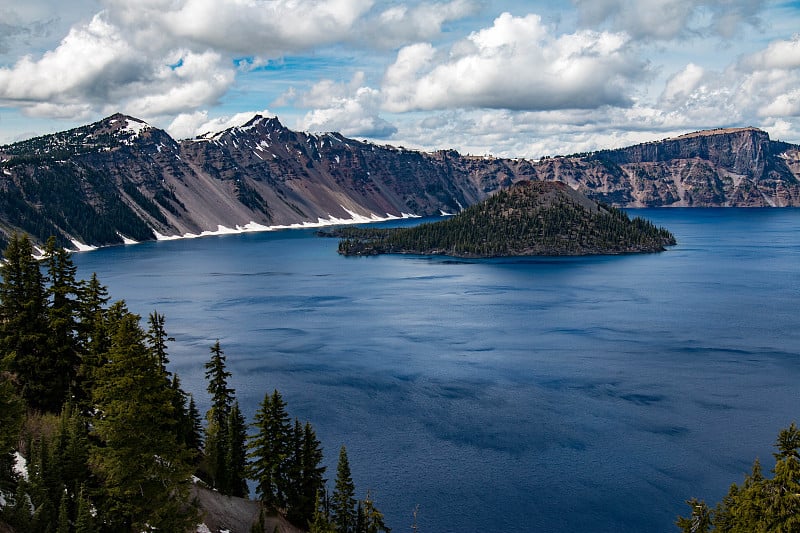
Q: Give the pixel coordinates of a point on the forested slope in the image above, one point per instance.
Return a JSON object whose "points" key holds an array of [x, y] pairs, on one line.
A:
{"points": [[111, 442], [529, 218]]}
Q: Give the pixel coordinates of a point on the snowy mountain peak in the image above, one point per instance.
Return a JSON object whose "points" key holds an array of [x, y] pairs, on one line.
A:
{"points": [[122, 124]]}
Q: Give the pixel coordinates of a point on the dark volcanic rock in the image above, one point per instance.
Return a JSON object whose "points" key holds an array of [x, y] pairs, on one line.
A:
{"points": [[119, 177]]}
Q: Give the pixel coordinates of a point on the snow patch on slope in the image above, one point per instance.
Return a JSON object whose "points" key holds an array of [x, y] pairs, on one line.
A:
{"points": [[252, 227]]}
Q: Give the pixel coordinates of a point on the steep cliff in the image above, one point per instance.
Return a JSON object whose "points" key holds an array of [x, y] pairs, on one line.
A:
{"points": [[732, 167], [120, 178]]}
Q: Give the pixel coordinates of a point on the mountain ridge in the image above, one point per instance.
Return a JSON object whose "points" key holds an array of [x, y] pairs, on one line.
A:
{"points": [[120, 178]]}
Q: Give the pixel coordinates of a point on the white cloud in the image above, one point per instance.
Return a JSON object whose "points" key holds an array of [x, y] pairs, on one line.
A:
{"points": [[352, 109], [265, 28], [70, 71], [682, 84], [95, 68], [670, 19], [198, 80], [400, 23], [190, 125], [780, 54], [516, 64]]}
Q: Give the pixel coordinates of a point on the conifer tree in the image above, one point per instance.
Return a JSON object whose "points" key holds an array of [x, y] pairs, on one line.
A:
{"points": [[320, 522], [93, 336], [699, 520], [157, 339], [189, 428], [71, 449], [24, 326], [269, 450], [194, 429], [63, 514], [343, 502], [11, 417], [62, 314], [144, 470], [216, 441], [236, 459], [311, 480], [44, 488], [84, 521], [783, 507], [371, 518]]}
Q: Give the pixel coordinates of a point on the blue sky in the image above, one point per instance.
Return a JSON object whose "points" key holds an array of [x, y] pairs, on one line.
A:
{"points": [[507, 78]]}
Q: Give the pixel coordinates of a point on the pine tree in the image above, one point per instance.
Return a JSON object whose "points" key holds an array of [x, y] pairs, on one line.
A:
{"points": [[294, 474], [783, 505], [93, 336], [84, 521], [11, 417], [236, 459], [188, 427], [372, 519], [307, 479], [194, 430], [216, 440], [62, 314], [699, 520], [24, 326], [269, 450], [63, 514], [44, 487], [320, 522], [144, 470], [157, 339], [343, 502]]}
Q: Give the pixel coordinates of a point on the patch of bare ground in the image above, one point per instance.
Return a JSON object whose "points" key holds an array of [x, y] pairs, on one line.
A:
{"points": [[235, 515]]}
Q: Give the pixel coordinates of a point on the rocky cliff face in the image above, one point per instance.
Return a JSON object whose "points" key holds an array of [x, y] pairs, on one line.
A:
{"points": [[120, 178], [733, 167]]}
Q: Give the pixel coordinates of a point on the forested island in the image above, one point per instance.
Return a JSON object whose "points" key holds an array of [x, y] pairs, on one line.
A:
{"points": [[529, 218], [97, 434]]}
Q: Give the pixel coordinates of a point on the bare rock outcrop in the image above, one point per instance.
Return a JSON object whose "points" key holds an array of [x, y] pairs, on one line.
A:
{"points": [[120, 178]]}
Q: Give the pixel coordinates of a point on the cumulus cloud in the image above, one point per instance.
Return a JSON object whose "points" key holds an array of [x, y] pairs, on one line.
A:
{"points": [[351, 108], [255, 27], [96, 68], [400, 23], [518, 63], [670, 19], [190, 125], [761, 85]]}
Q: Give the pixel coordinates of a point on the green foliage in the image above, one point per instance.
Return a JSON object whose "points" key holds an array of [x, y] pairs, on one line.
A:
{"points": [[760, 504], [24, 342], [63, 292], [269, 450], [370, 519], [343, 501], [144, 470], [236, 453], [699, 520], [121, 451], [532, 218], [12, 410], [219, 440]]}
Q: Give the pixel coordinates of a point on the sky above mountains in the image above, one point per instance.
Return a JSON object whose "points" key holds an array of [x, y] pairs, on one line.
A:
{"points": [[508, 78]]}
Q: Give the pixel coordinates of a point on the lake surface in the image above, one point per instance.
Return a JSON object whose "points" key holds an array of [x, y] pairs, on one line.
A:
{"points": [[539, 394]]}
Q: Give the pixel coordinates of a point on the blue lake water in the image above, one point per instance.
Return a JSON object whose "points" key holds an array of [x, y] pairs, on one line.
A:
{"points": [[548, 394]]}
